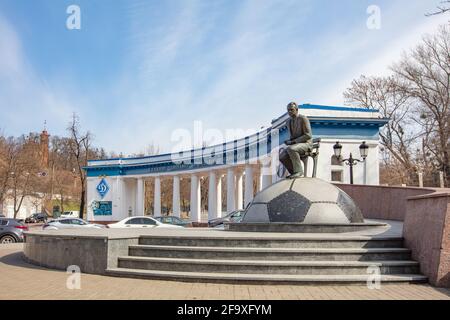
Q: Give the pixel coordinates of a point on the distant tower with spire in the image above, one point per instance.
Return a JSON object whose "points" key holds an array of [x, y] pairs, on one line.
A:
{"points": [[44, 145]]}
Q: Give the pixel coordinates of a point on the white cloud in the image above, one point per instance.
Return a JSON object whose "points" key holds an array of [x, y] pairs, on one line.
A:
{"points": [[178, 72], [262, 66], [26, 100], [401, 31]]}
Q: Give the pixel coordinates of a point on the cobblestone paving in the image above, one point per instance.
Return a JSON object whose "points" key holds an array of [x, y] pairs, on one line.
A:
{"points": [[20, 280]]}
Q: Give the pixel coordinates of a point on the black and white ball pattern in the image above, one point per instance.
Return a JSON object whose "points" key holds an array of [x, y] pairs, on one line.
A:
{"points": [[306, 200]]}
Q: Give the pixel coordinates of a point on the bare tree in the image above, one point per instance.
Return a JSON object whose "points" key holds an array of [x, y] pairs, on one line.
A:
{"points": [[443, 8], [425, 76], [398, 136], [79, 146], [63, 186], [23, 174], [416, 99], [151, 149], [24, 166], [6, 152]]}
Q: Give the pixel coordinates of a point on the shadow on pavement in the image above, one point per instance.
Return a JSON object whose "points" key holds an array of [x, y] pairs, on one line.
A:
{"points": [[17, 259]]}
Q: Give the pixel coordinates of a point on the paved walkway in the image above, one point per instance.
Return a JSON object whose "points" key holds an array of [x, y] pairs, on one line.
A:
{"points": [[20, 280]]}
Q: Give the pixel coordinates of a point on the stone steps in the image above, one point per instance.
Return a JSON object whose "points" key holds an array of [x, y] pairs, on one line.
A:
{"points": [[276, 242], [269, 258], [252, 253], [261, 278], [267, 266]]}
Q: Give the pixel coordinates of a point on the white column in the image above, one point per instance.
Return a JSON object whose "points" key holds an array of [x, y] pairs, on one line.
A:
{"points": [[139, 197], [231, 202], [195, 199], [265, 173], [212, 196], [219, 196], [260, 181], [441, 179], [157, 197], [420, 179], [239, 191], [274, 162], [176, 196], [119, 210], [248, 194]]}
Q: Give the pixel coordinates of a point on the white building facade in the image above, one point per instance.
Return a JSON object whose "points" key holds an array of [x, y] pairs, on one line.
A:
{"points": [[115, 187], [30, 205]]}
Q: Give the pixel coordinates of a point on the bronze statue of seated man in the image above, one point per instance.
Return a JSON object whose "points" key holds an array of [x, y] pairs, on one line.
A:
{"points": [[299, 143]]}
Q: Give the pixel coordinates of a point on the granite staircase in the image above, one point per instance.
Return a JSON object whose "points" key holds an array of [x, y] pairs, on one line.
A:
{"points": [[269, 259]]}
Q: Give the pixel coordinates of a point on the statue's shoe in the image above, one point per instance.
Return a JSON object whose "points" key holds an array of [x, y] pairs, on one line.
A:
{"points": [[294, 175]]}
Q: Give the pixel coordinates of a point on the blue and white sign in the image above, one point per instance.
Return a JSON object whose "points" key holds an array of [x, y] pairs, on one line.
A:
{"points": [[102, 188], [102, 208]]}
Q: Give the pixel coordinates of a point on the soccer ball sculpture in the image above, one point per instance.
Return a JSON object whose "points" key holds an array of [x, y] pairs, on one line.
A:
{"points": [[303, 200]]}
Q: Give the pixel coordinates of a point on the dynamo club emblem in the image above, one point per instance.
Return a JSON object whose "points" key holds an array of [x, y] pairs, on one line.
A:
{"points": [[102, 188]]}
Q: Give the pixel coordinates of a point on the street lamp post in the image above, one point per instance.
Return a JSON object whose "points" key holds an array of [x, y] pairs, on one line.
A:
{"points": [[350, 161]]}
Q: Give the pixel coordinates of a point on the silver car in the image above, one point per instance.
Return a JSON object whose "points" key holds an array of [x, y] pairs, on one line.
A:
{"points": [[11, 230], [70, 223]]}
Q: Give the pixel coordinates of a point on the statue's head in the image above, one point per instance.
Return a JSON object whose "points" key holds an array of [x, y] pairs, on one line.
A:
{"points": [[292, 109]]}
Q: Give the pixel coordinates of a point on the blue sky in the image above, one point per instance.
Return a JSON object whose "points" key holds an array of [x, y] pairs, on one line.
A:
{"points": [[137, 70]]}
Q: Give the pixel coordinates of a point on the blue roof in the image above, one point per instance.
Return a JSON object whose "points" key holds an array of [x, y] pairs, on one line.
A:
{"points": [[337, 108], [315, 120]]}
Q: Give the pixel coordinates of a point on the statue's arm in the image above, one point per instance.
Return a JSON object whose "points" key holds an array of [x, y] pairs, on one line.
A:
{"points": [[289, 141], [307, 132]]}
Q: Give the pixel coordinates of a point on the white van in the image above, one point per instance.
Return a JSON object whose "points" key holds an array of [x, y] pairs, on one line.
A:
{"points": [[70, 214]]}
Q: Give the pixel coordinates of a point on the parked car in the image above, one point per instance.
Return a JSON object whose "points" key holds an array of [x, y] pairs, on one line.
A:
{"points": [[70, 223], [174, 220], [70, 214], [37, 217], [234, 216], [11, 230], [141, 222]]}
